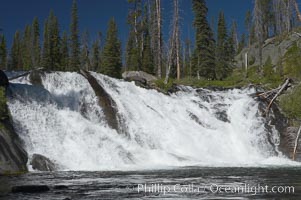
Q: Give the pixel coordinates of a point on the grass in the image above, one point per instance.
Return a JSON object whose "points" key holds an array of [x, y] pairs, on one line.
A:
{"points": [[290, 103]]}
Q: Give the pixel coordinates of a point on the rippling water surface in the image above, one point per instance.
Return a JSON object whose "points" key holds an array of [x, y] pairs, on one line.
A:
{"points": [[183, 183]]}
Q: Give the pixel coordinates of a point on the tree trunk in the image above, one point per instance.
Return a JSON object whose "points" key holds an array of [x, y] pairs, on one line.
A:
{"points": [[158, 10]]}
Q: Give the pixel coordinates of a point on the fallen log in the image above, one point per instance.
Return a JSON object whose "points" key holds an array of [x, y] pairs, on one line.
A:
{"points": [[282, 88], [271, 95], [24, 74], [296, 143]]}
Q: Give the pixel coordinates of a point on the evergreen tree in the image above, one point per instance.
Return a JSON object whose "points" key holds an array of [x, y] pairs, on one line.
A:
{"points": [[95, 56], [74, 45], [35, 55], [64, 53], [26, 48], [46, 47], [242, 43], [223, 44], [204, 59], [54, 42], [15, 54], [111, 63], [84, 55], [134, 48], [3, 53]]}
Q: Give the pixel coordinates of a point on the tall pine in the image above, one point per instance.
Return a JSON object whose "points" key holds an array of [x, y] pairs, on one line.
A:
{"points": [[204, 58], [54, 42], [15, 54], [74, 39], [96, 55], [85, 53], [3, 53], [134, 48], [35, 53], [46, 47], [64, 65], [111, 63], [224, 49]]}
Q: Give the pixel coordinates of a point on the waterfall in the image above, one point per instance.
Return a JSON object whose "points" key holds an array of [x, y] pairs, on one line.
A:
{"points": [[64, 122]]}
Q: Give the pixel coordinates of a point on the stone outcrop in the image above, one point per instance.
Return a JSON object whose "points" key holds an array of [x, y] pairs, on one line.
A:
{"points": [[140, 78], [13, 157], [273, 48], [3, 79], [105, 101], [41, 163]]}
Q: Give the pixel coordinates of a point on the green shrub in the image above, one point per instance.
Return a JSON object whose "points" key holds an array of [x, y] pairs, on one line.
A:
{"points": [[3, 106], [292, 64], [291, 103]]}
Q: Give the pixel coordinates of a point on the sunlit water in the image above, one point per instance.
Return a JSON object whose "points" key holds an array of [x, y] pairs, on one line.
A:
{"points": [[193, 127], [219, 134]]}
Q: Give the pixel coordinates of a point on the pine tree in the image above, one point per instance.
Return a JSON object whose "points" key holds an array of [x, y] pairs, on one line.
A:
{"points": [[64, 53], [147, 55], [95, 59], [75, 45], [26, 48], [54, 42], [46, 47], [111, 64], [15, 54], [204, 59], [35, 55], [96, 55], [222, 64], [134, 50], [3, 53], [156, 35], [248, 25], [84, 55]]}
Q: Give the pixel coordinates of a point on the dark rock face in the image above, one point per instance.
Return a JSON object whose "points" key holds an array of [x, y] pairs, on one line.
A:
{"points": [[3, 79], [30, 189], [35, 77], [42, 163], [105, 101], [141, 79], [13, 157]]}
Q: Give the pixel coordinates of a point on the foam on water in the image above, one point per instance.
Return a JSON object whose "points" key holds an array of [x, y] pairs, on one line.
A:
{"points": [[191, 127]]}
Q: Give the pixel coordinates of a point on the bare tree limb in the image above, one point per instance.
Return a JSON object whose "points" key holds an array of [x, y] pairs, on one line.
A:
{"points": [[296, 143]]}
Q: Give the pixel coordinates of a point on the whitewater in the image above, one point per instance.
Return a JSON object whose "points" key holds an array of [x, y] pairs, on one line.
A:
{"points": [[192, 127]]}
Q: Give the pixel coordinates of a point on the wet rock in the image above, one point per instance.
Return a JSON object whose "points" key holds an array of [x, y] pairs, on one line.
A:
{"points": [[222, 115], [105, 101], [41, 163], [138, 76], [35, 77], [30, 189], [141, 79], [3, 79], [13, 157], [60, 187]]}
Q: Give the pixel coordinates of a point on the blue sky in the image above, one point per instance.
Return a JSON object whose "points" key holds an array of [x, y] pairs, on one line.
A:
{"points": [[94, 14]]}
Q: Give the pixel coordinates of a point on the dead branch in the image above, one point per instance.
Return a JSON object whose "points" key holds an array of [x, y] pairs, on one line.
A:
{"points": [[24, 74], [282, 88], [296, 143]]}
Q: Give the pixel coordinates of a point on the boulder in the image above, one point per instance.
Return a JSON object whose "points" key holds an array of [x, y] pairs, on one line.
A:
{"points": [[140, 78], [35, 77], [13, 158], [3, 79], [41, 163], [30, 189], [105, 101]]}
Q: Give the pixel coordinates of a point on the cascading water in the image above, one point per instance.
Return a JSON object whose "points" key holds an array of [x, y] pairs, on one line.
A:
{"points": [[64, 122]]}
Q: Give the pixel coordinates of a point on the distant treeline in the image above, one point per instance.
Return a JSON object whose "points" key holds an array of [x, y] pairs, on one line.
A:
{"points": [[210, 56]]}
